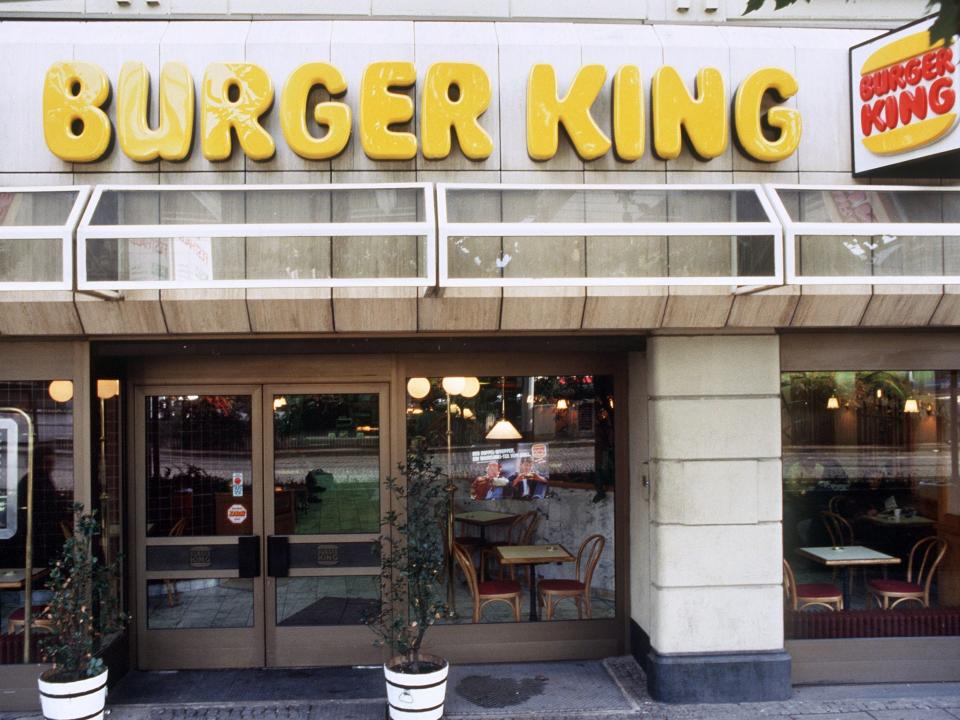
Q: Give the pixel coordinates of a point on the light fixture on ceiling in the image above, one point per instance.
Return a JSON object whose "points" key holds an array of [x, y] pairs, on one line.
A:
{"points": [[910, 406], [418, 387], [454, 385], [61, 390], [279, 401], [833, 403], [471, 387], [503, 429], [562, 404]]}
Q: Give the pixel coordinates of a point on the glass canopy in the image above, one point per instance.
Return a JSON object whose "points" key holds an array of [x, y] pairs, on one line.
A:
{"points": [[257, 236], [36, 236], [879, 235], [592, 235]]}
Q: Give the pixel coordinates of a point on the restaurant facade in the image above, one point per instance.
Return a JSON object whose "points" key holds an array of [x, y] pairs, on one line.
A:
{"points": [[688, 366]]}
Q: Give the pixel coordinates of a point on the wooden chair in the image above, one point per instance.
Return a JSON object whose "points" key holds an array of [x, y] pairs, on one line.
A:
{"points": [[838, 528], [520, 532], [484, 593], [925, 557], [173, 596], [37, 619], [800, 597], [551, 592]]}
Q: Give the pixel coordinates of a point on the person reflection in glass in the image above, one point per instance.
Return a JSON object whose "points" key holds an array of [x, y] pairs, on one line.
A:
{"points": [[490, 485], [527, 483]]}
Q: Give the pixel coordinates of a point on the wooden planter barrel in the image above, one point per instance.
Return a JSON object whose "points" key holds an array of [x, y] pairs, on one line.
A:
{"points": [[78, 700], [416, 696]]}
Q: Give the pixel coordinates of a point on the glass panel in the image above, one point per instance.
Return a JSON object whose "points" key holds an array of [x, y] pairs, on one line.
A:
{"points": [[34, 260], [53, 489], [36, 208], [199, 465], [881, 255], [857, 205], [344, 600], [554, 486], [626, 206], [290, 205], [200, 603], [195, 259], [326, 470], [615, 256], [867, 468]]}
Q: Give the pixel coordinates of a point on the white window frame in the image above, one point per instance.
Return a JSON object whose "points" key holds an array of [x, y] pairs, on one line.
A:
{"points": [[425, 228], [64, 233], [793, 228], [449, 229]]}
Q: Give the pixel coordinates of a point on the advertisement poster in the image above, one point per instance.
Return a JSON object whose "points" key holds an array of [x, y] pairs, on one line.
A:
{"points": [[520, 473]]}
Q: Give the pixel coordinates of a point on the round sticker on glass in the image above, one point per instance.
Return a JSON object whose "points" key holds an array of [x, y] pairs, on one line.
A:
{"points": [[236, 514]]}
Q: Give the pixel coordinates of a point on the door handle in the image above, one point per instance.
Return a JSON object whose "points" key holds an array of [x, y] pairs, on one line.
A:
{"points": [[248, 550], [278, 556]]}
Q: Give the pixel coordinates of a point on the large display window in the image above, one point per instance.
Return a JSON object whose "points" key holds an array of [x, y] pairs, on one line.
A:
{"points": [[870, 490], [530, 465]]}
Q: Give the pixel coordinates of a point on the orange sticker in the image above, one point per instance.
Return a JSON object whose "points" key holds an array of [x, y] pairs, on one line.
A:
{"points": [[237, 514]]}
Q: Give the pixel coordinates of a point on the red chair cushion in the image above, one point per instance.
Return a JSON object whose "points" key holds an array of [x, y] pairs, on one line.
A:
{"points": [[38, 610], [895, 586], [498, 587], [560, 585], [818, 590]]}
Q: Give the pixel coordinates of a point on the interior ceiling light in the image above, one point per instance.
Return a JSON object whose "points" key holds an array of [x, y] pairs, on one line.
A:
{"points": [[454, 385], [910, 406], [503, 429], [61, 390], [107, 389], [471, 386], [418, 387], [833, 403]]}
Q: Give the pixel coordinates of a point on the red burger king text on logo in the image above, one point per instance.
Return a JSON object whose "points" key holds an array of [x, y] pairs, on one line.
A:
{"points": [[900, 97]]}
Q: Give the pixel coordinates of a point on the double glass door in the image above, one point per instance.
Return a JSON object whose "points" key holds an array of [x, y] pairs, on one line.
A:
{"points": [[258, 513]]}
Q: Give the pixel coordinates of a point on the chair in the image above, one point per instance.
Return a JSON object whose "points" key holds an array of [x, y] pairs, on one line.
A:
{"points": [[925, 557], [520, 532], [37, 619], [838, 528], [484, 593], [551, 592], [800, 597], [173, 596]]}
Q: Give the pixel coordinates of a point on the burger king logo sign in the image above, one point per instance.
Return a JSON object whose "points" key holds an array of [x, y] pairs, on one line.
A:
{"points": [[904, 100]]}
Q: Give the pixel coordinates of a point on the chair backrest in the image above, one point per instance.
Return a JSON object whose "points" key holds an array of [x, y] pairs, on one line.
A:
{"points": [[838, 528], [834, 504], [789, 584], [925, 556], [178, 527], [466, 564], [522, 529], [588, 557]]}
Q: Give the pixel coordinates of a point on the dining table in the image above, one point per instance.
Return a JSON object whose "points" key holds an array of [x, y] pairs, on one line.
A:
{"points": [[847, 557], [484, 519], [15, 578], [533, 555]]}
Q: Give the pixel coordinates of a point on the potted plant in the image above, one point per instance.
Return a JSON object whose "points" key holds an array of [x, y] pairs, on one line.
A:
{"points": [[82, 610], [412, 596]]}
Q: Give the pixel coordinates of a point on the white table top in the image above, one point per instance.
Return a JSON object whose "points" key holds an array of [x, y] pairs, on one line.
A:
{"points": [[848, 555]]}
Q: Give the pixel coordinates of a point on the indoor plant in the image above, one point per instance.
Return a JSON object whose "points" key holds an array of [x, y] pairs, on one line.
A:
{"points": [[82, 610], [412, 596]]}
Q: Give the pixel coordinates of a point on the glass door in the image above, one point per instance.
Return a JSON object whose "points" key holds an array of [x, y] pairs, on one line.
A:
{"points": [[199, 520], [325, 459]]}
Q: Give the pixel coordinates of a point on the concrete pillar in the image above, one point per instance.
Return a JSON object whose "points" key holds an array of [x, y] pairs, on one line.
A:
{"points": [[715, 541]]}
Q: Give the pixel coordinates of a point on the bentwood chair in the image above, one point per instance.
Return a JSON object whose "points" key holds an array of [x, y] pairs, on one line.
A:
{"points": [[925, 557], [551, 592], [520, 532], [800, 597], [838, 528], [484, 593]]}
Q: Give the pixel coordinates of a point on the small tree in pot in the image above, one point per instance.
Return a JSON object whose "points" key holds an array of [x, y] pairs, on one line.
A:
{"points": [[82, 610], [412, 595]]}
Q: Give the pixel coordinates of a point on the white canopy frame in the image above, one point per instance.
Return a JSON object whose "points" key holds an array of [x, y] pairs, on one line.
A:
{"points": [[64, 233], [723, 227], [794, 228], [425, 228]]}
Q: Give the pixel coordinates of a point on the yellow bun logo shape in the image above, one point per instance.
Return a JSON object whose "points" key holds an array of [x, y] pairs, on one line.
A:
{"points": [[907, 90]]}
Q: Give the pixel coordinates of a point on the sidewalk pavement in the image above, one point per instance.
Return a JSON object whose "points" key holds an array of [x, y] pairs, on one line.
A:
{"points": [[613, 689]]}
